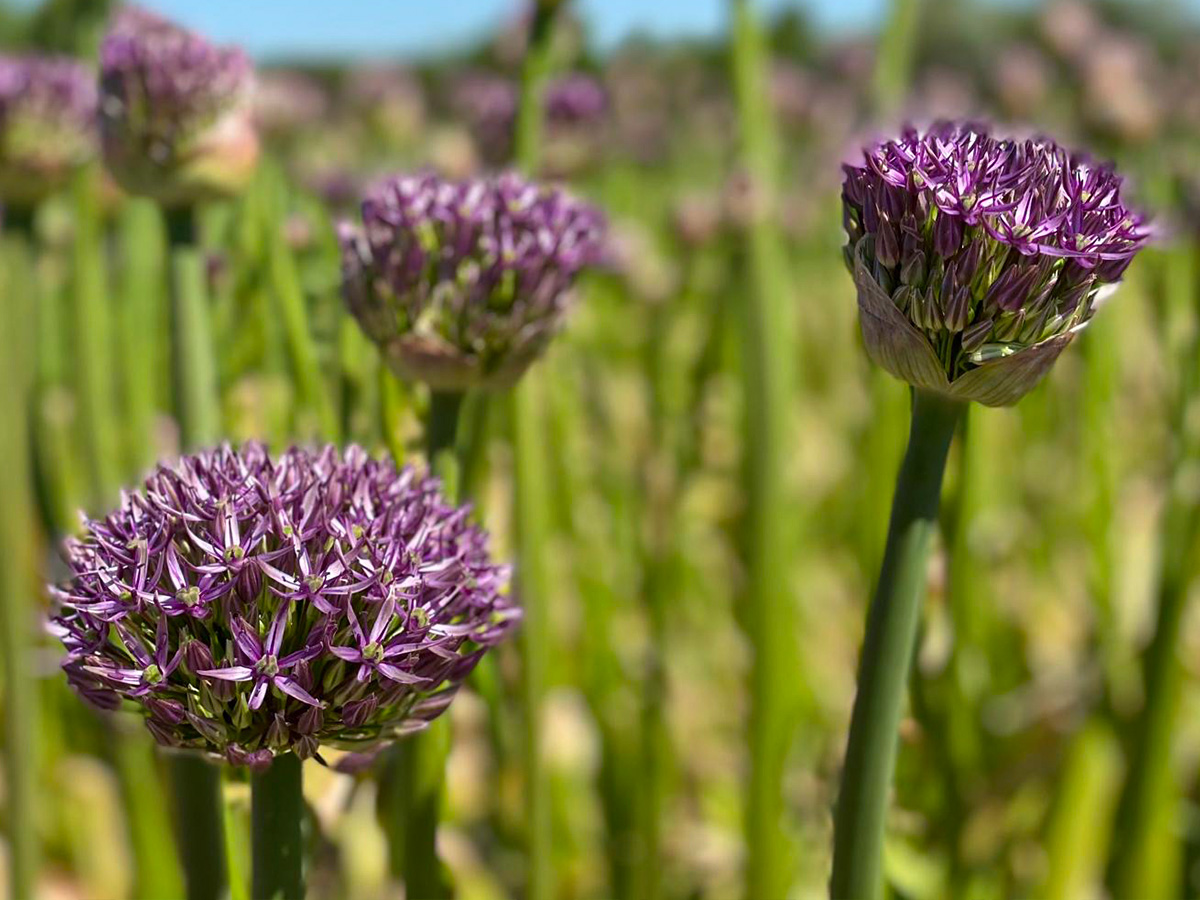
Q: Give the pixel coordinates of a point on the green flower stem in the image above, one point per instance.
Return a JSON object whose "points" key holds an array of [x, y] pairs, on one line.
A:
{"points": [[416, 772], [196, 783], [531, 514], [897, 50], [195, 370], [767, 336], [139, 314], [276, 816], [1145, 858], [155, 864], [95, 386], [532, 526], [440, 436], [302, 351], [18, 628], [888, 650]]}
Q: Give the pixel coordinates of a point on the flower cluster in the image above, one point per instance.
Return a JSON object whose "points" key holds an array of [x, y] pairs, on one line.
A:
{"points": [[252, 607], [978, 258], [464, 283], [176, 115], [47, 124], [489, 104]]}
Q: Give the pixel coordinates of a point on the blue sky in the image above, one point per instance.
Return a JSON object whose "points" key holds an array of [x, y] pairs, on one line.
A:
{"points": [[388, 27]]}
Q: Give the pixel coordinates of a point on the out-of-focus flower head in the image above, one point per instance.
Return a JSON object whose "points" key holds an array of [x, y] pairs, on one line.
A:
{"points": [[1070, 27], [176, 116], [47, 124], [251, 606], [575, 99], [1122, 86], [488, 104], [977, 258], [464, 283], [389, 96], [287, 101], [1021, 79]]}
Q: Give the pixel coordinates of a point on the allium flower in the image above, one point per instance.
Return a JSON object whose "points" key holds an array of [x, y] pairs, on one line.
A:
{"points": [[252, 606], [489, 104], [47, 124], [977, 259], [176, 117], [464, 283]]}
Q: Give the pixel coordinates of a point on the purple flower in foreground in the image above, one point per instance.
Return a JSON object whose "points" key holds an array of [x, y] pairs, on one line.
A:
{"points": [[47, 124], [280, 564], [464, 283], [176, 117], [977, 259]]}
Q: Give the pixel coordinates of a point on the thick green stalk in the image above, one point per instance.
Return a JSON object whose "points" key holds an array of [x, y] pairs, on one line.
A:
{"points": [[195, 370], [156, 866], [531, 514], [18, 621], [391, 412], [95, 386], [302, 350], [276, 817], [141, 295], [887, 652], [767, 381], [1146, 847], [897, 50], [417, 770], [532, 526], [196, 784], [1079, 828]]}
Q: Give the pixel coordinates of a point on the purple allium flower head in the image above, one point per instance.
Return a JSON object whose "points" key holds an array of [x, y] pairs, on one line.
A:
{"points": [[575, 99], [977, 259], [464, 283], [251, 606], [176, 116], [489, 104], [47, 124]]}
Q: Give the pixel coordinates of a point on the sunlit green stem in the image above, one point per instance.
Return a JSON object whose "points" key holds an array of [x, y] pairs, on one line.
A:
{"points": [[95, 385], [887, 652], [18, 623], [767, 380], [1146, 846], [276, 820], [416, 772], [139, 306], [531, 518], [196, 784]]}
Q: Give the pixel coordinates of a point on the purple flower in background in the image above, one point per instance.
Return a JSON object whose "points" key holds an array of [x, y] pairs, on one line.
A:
{"points": [[978, 258], [489, 104], [464, 283], [47, 124], [288, 559], [575, 99], [176, 116]]}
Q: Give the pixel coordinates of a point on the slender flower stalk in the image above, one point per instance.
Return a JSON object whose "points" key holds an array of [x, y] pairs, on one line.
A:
{"points": [[17, 583], [254, 608], [767, 338], [461, 285], [977, 260], [276, 814], [887, 651], [531, 514], [1149, 799]]}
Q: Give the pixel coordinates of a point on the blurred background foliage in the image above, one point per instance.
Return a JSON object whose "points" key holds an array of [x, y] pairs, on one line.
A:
{"points": [[1029, 703]]}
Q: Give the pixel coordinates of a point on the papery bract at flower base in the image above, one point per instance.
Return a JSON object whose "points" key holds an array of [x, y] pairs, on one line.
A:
{"points": [[47, 125], [176, 115], [462, 284], [977, 259], [251, 607]]}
